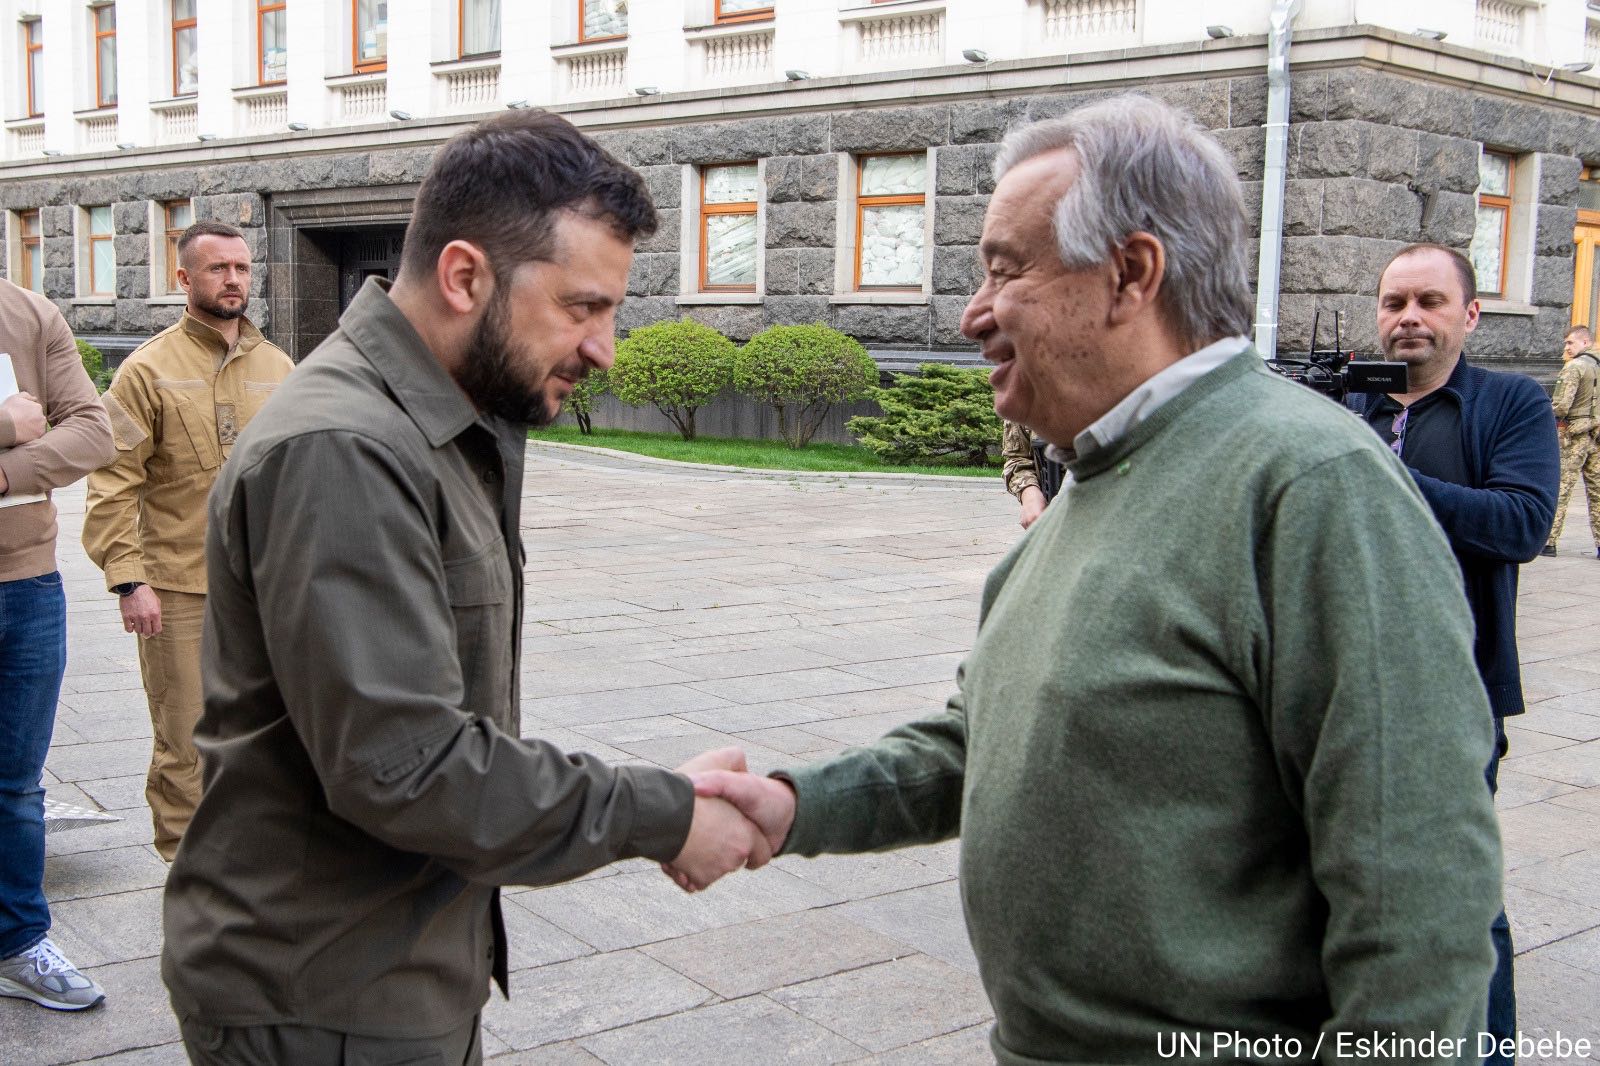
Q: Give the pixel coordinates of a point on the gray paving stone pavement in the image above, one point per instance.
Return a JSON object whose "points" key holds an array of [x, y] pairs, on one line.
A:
{"points": [[670, 610]]}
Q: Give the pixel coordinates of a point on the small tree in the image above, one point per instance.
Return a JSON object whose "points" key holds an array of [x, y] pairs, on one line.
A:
{"points": [[583, 396], [676, 367], [801, 372], [941, 413], [94, 364]]}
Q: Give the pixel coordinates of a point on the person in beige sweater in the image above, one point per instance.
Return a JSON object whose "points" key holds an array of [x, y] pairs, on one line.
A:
{"points": [[177, 405], [53, 431]]}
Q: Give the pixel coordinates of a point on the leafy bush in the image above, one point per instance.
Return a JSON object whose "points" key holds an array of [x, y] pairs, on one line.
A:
{"points": [[581, 400], [943, 412], [676, 367], [801, 372], [94, 364]]}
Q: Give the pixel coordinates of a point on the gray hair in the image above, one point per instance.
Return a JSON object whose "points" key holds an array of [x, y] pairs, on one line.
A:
{"points": [[1145, 166]]}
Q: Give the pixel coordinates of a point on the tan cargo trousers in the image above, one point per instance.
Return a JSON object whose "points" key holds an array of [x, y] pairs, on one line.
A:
{"points": [[302, 1045], [1580, 460], [170, 664]]}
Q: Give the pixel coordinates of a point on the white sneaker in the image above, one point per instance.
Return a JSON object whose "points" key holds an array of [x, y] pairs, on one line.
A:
{"points": [[45, 976]]}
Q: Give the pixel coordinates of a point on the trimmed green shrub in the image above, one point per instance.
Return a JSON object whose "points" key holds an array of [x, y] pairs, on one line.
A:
{"points": [[675, 367], [583, 396], [941, 413], [801, 372], [94, 364]]}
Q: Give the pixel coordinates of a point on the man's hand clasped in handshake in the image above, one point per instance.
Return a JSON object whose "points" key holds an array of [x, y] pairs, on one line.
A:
{"points": [[740, 819]]}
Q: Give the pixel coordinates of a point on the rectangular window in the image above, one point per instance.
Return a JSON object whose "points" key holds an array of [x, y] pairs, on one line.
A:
{"points": [[479, 30], [30, 271], [33, 54], [743, 10], [272, 43], [1492, 235], [728, 228], [177, 216], [600, 20], [185, 66], [105, 56], [891, 215], [102, 253], [370, 34]]}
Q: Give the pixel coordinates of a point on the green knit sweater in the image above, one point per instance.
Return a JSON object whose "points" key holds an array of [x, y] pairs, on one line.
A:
{"points": [[1216, 756]]}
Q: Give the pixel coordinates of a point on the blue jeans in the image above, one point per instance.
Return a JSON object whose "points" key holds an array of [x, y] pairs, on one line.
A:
{"points": [[33, 656], [1502, 1020]]}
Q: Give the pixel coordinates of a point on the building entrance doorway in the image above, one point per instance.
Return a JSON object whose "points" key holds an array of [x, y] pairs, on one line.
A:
{"points": [[1586, 264], [367, 253]]}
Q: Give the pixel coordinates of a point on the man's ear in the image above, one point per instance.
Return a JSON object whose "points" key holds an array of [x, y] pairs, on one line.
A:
{"points": [[1139, 266], [463, 276]]}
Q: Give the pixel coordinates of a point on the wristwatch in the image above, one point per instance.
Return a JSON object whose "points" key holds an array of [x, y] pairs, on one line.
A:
{"points": [[126, 587]]}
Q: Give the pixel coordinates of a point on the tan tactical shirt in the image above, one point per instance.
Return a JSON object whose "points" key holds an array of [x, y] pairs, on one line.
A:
{"points": [[177, 405], [1575, 394], [1016, 452], [365, 785]]}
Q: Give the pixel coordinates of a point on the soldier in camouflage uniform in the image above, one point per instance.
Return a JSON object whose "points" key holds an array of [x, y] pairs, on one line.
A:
{"points": [[1574, 401], [1019, 471]]}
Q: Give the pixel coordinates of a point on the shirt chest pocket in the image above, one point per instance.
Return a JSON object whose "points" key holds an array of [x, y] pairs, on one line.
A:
{"points": [[189, 426], [252, 397], [478, 587]]}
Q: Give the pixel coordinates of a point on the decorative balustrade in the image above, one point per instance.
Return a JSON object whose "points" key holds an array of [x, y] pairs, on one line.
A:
{"points": [[178, 122], [596, 74], [265, 112], [365, 99], [475, 88], [744, 57], [1499, 25], [1076, 20], [27, 140], [903, 39], [99, 131], [1591, 43]]}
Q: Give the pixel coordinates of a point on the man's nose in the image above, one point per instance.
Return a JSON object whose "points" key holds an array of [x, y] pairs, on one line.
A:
{"points": [[977, 321], [599, 350]]}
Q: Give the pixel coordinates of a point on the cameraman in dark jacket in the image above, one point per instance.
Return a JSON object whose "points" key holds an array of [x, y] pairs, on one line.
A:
{"points": [[1482, 448]]}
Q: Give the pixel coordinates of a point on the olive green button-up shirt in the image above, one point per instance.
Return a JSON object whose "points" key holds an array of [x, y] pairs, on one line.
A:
{"points": [[365, 786]]}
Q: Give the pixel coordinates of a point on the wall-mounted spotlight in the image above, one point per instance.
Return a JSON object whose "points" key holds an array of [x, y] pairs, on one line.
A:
{"points": [[1432, 35], [123, 146], [647, 90], [797, 75], [1219, 32], [299, 127], [518, 105], [52, 152], [400, 116], [205, 136], [974, 55], [1571, 68]]}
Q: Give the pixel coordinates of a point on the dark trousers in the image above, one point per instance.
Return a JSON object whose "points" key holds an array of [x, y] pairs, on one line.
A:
{"points": [[303, 1045], [33, 656], [1502, 1022]]}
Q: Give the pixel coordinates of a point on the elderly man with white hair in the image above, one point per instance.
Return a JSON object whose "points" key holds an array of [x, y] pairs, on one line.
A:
{"points": [[1216, 755]]}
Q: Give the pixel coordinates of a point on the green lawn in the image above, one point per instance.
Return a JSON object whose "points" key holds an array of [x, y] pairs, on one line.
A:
{"points": [[760, 454]]}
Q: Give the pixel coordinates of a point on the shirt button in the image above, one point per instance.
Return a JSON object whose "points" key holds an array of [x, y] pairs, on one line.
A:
{"points": [[490, 477]]}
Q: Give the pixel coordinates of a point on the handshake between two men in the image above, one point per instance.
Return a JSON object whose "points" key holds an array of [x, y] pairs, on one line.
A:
{"points": [[740, 819]]}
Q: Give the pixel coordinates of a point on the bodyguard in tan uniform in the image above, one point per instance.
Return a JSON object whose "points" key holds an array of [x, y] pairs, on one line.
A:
{"points": [[1575, 400], [177, 405]]}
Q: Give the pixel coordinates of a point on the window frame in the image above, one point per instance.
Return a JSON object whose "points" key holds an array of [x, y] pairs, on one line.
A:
{"points": [[461, 35], [178, 26], [737, 207], [760, 14], [895, 200], [97, 34], [172, 234], [263, 9], [32, 49], [90, 239], [371, 66], [1503, 204], [585, 39], [29, 246]]}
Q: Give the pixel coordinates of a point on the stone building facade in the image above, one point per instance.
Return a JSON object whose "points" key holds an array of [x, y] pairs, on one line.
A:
{"points": [[1387, 136]]}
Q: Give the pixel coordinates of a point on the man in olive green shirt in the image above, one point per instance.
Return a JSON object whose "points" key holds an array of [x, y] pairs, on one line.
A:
{"points": [[1216, 757], [366, 790]]}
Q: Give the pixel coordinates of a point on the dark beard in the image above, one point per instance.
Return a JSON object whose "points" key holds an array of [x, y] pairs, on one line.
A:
{"points": [[489, 375], [219, 310]]}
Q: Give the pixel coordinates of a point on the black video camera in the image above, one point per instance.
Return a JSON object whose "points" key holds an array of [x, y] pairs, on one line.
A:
{"points": [[1335, 373]]}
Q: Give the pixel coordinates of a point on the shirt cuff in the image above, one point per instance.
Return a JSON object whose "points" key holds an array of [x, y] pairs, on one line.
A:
{"points": [[21, 477], [8, 431], [128, 570], [663, 808]]}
